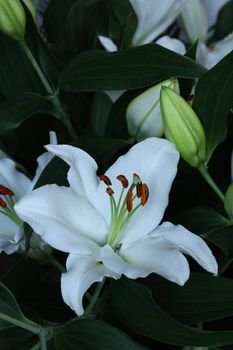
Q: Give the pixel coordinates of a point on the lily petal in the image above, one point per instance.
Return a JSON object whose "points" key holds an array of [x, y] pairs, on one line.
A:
{"points": [[155, 161], [82, 173], [107, 43], [66, 221], [82, 272], [171, 44], [154, 18], [12, 178], [10, 235], [188, 243]]}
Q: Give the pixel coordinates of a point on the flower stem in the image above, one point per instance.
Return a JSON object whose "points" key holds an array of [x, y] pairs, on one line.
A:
{"points": [[43, 341], [28, 326], [63, 116], [204, 172], [53, 261], [94, 298]]}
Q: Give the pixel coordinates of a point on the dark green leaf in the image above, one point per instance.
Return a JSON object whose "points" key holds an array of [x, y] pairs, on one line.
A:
{"points": [[54, 173], [201, 299], [16, 72], [213, 101], [15, 111], [126, 69], [222, 238], [135, 307], [9, 305], [101, 107], [224, 23], [93, 335], [15, 338]]}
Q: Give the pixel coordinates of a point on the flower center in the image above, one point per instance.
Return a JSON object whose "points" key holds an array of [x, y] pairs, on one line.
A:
{"points": [[7, 204], [131, 199]]}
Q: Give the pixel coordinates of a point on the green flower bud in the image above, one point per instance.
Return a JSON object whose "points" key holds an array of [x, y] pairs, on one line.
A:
{"points": [[12, 19], [228, 204], [183, 127], [31, 8], [143, 114]]}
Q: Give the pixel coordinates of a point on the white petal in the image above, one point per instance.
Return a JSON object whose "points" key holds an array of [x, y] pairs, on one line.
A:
{"points": [[65, 220], [82, 173], [12, 178], [82, 272], [171, 44], [156, 255], [153, 19], [44, 159], [213, 7], [10, 235], [220, 50], [155, 161], [107, 43], [195, 20], [188, 243], [114, 95]]}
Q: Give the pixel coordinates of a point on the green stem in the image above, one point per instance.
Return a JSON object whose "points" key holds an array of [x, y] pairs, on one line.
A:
{"points": [[63, 116], [29, 327], [43, 341], [94, 298], [211, 183], [51, 260]]}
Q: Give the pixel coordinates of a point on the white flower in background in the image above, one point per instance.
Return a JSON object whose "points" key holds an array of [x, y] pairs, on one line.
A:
{"points": [[109, 225], [153, 19], [212, 8], [195, 20], [143, 114], [13, 186]]}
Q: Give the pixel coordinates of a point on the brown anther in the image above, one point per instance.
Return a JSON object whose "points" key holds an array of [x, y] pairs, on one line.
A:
{"points": [[139, 190], [106, 180], [123, 180], [145, 194], [6, 191], [109, 191], [129, 201], [2, 203], [136, 179]]}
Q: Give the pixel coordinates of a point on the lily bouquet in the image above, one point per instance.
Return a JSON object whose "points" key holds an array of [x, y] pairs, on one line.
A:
{"points": [[116, 195]]}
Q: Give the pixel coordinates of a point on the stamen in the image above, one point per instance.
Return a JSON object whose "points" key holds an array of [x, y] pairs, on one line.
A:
{"points": [[139, 190], [6, 191], [136, 179], [109, 191], [123, 180], [2, 203], [129, 201], [145, 194], [106, 180]]}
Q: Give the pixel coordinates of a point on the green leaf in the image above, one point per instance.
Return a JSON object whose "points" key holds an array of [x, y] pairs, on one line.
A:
{"points": [[222, 238], [224, 23], [135, 307], [16, 338], [54, 173], [203, 298], [126, 69], [93, 335], [101, 107], [15, 111], [16, 72], [213, 101], [9, 305]]}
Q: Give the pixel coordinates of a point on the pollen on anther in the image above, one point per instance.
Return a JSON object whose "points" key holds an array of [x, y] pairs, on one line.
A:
{"points": [[2, 203], [145, 194], [129, 201], [123, 180], [106, 180], [109, 191], [6, 191]]}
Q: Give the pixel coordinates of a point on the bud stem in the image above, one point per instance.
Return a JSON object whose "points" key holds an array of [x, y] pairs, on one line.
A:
{"points": [[63, 116], [204, 172]]}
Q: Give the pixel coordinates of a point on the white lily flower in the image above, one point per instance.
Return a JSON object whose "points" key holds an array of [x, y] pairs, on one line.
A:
{"points": [[109, 225], [195, 20], [13, 186]]}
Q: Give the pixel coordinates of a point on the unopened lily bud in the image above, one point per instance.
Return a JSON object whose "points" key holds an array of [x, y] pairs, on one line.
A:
{"points": [[182, 127], [228, 204], [12, 19], [143, 114]]}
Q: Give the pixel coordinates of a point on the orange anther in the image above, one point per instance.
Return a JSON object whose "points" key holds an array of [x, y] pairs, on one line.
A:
{"points": [[2, 203], [139, 190], [123, 180], [109, 191], [6, 191], [145, 194], [106, 180], [129, 201]]}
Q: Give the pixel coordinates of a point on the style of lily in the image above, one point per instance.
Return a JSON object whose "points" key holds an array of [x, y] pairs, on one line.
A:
{"points": [[13, 186], [110, 225]]}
